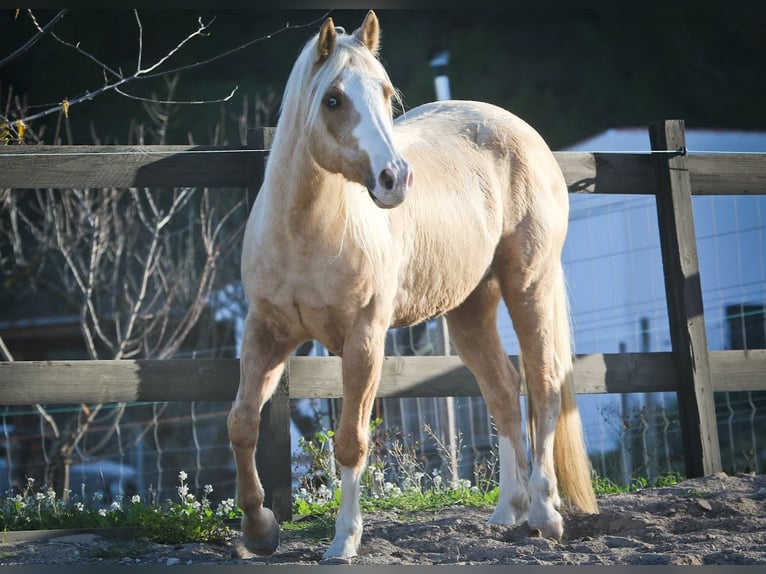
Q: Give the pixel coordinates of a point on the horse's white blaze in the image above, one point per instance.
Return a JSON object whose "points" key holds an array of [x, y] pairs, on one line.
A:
{"points": [[512, 505], [348, 525], [392, 175]]}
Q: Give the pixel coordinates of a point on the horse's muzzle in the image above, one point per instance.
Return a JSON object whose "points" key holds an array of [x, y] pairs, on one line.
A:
{"points": [[392, 184]]}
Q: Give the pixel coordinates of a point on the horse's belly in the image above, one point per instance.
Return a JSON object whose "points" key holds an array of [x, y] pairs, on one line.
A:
{"points": [[428, 291]]}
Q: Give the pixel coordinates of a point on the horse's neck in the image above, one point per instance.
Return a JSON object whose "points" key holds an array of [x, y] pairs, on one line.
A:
{"points": [[304, 198], [321, 213]]}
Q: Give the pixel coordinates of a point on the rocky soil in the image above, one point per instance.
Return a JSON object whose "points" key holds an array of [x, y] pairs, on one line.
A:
{"points": [[719, 519]]}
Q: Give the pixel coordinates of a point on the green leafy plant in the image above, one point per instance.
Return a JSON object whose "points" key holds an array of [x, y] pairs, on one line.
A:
{"points": [[187, 519]]}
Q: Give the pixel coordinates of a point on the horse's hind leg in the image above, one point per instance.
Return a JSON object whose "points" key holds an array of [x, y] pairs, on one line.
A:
{"points": [[473, 330], [261, 366], [538, 323]]}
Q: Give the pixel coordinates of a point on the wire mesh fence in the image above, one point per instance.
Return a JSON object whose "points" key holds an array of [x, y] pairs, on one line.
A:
{"points": [[142, 447]]}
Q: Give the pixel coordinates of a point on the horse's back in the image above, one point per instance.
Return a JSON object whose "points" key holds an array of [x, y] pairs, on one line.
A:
{"points": [[464, 132], [484, 178], [483, 124]]}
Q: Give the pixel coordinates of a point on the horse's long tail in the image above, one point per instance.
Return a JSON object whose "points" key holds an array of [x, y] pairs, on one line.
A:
{"points": [[573, 469]]}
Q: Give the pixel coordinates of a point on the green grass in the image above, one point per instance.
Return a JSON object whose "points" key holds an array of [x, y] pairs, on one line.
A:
{"points": [[319, 528], [603, 485]]}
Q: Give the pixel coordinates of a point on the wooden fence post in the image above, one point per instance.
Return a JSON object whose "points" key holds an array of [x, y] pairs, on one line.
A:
{"points": [[273, 454], [683, 290]]}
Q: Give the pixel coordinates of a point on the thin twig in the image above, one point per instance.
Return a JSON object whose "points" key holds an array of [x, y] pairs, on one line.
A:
{"points": [[240, 47], [181, 102], [140, 41], [76, 47], [148, 73], [33, 40]]}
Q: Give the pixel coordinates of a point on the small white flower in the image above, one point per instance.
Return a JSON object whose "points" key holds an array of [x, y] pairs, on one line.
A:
{"points": [[182, 476], [208, 488], [391, 488], [378, 475], [39, 496], [437, 480], [79, 506], [30, 481], [225, 507], [183, 491], [102, 512], [115, 506], [135, 499]]}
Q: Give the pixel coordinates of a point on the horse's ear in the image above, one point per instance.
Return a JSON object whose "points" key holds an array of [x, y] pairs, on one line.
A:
{"points": [[369, 32], [326, 41]]}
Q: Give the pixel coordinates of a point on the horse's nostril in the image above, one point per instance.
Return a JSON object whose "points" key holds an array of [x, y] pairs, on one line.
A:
{"points": [[387, 179]]}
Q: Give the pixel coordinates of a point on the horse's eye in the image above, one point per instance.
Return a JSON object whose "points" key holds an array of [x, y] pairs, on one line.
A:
{"points": [[332, 101]]}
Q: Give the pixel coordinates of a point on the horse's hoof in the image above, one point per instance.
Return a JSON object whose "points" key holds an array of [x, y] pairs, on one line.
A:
{"points": [[263, 545], [553, 529]]}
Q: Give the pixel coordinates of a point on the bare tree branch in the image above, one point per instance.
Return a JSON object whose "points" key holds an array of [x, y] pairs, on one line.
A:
{"points": [[33, 40], [75, 47], [242, 46], [144, 73], [201, 31]]}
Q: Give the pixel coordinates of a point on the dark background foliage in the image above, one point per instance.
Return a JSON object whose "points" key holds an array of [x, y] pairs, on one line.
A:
{"points": [[570, 72]]}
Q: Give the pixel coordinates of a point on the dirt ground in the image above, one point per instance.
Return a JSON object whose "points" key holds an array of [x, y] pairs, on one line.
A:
{"points": [[718, 520]]}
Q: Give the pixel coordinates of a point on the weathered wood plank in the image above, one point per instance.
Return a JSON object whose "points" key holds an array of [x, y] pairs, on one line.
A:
{"points": [[22, 167], [64, 167], [72, 382], [727, 173], [631, 173], [678, 243], [622, 173], [64, 382]]}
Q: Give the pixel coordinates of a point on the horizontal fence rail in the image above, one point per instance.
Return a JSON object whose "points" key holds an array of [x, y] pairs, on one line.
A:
{"points": [[71, 382], [61, 167]]}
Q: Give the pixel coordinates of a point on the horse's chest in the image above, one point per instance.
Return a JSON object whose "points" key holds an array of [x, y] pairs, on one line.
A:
{"points": [[302, 302]]}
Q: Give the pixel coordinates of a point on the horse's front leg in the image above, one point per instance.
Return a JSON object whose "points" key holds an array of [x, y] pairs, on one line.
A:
{"points": [[362, 361], [261, 365]]}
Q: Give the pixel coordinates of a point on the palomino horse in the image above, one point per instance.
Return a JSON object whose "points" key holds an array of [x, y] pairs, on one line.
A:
{"points": [[364, 223]]}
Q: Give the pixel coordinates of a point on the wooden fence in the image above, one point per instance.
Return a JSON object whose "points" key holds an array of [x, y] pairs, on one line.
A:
{"points": [[669, 173]]}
